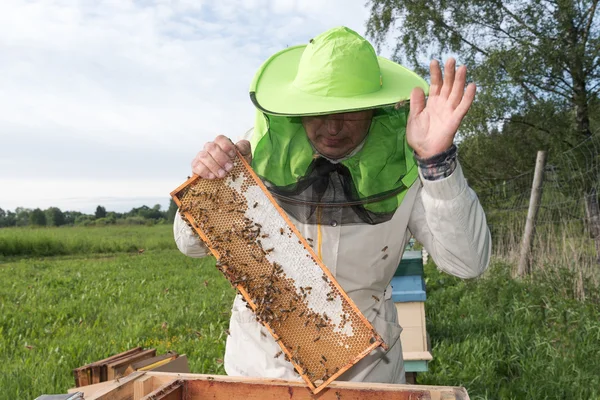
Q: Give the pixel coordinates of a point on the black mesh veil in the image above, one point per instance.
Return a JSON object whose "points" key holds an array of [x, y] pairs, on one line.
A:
{"points": [[327, 193]]}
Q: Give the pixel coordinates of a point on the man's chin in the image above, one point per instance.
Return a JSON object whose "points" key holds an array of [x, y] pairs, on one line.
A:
{"points": [[332, 154]]}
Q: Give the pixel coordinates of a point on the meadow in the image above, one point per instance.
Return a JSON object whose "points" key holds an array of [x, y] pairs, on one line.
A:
{"points": [[70, 296]]}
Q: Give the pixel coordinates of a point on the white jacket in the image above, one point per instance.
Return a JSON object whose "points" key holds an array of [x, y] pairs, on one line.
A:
{"points": [[444, 215]]}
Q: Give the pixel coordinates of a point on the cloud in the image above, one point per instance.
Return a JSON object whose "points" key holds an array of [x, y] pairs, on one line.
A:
{"points": [[111, 90]]}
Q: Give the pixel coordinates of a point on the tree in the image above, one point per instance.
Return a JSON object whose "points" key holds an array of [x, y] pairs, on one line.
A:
{"points": [[100, 212], [520, 53], [22, 216], [54, 217], [37, 217], [10, 219], [172, 212], [71, 216]]}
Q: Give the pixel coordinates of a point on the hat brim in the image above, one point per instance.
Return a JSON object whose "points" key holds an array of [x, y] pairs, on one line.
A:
{"points": [[273, 92]]}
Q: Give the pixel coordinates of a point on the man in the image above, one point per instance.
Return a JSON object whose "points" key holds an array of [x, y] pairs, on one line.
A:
{"points": [[333, 141]]}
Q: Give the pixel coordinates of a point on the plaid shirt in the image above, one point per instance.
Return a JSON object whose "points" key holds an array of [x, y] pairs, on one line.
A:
{"points": [[440, 166]]}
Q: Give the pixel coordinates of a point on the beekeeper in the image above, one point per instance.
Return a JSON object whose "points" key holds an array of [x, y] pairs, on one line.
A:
{"points": [[359, 169]]}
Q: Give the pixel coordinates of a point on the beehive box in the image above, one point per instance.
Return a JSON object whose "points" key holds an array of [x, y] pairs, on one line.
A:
{"points": [[320, 330], [170, 386]]}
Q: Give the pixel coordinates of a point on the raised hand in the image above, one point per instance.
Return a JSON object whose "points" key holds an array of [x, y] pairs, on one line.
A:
{"points": [[431, 127], [216, 160]]}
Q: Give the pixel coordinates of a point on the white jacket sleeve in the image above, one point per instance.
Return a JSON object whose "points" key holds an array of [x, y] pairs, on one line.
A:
{"points": [[449, 221], [187, 242]]}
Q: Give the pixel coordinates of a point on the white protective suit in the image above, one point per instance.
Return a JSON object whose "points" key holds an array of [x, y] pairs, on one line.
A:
{"points": [[444, 215]]}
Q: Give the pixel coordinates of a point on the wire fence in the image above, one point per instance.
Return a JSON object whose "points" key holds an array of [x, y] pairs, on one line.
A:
{"points": [[564, 235]]}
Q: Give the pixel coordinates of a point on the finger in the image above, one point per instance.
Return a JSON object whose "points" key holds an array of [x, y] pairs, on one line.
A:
{"points": [[436, 78], [417, 102], [466, 101], [209, 162], [449, 72], [226, 145], [202, 170], [459, 87], [219, 155], [245, 149]]}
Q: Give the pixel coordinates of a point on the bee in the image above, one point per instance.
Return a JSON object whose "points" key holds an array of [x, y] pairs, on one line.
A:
{"points": [[384, 257], [316, 339], [323, 357], [263, 334], [375, 297], [309, 239], [338, 396], [324, 277], [384, 249], [281, 231], [227, 332], [278, 354], [255, 204]]}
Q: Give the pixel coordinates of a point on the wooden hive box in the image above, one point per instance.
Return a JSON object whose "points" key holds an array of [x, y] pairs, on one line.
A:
{"points": [[170, 386], [408, 294]]}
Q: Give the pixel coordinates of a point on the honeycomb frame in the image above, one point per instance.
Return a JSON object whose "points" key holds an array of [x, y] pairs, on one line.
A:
{"points": [[259, 250]]}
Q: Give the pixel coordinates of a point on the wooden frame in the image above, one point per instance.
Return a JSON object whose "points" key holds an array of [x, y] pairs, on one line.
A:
{"points": [[172, 386], [376, 339]]}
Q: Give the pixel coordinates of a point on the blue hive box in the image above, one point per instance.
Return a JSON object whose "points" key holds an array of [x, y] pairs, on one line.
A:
{"points": [[407, 283]]}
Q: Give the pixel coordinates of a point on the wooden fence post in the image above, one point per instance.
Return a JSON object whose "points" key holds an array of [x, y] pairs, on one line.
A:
{"points": [[534, 206]]}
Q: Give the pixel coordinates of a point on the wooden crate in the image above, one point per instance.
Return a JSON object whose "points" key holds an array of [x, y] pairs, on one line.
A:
{"points": [[171, 386]]}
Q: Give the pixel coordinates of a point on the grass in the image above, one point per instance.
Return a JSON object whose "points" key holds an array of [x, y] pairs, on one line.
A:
{"points": [[507, 339], [60, 313], [498, 337], [43, 242]]}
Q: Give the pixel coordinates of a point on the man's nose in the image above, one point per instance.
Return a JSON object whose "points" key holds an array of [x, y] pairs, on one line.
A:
{"points": [[334, 126]]}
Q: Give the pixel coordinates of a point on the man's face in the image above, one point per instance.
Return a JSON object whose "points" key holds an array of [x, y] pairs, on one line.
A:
{"points": [[336, 135]]}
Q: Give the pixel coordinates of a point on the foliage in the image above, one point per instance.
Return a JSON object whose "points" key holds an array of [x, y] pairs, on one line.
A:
{"points": [[54, 216], [100, 212], [172, 211], [37, 217], [520, 53]]}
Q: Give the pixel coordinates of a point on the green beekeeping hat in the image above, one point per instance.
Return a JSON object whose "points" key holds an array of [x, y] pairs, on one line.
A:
{"points": [[338, 71]]}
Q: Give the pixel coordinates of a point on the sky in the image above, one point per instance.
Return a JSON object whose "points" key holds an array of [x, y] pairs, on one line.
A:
{"points": [[107, 102]]}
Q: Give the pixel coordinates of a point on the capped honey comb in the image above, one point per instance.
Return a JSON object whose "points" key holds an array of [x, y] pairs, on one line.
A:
{"points": [[259, 250]]}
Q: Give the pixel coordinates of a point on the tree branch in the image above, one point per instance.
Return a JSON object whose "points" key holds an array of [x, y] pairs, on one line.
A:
{"points": [[523, 24], [588, 26], [438, 19]]}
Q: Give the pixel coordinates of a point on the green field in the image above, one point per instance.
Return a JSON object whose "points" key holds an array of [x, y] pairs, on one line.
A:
{"points": [[70, 296]]}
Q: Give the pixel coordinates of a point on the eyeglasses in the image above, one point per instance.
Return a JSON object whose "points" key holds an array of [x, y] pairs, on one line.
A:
{"points": [[344, 117]]}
